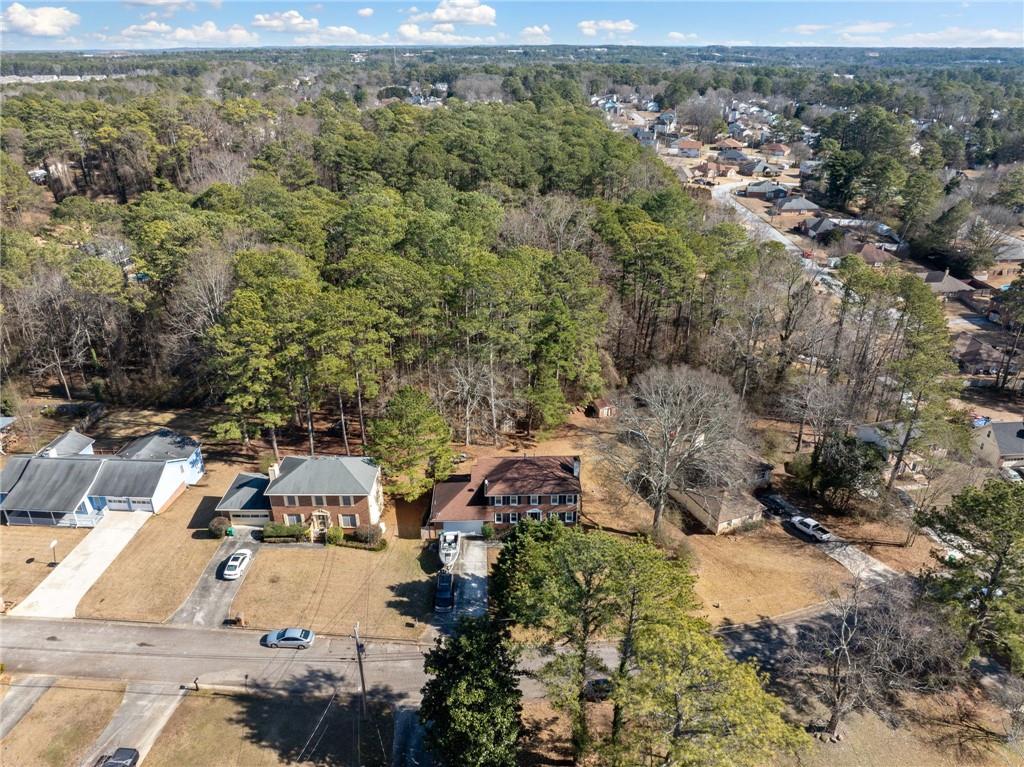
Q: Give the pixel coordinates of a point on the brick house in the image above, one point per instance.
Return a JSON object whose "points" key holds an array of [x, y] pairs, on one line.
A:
{"points": [[505, 491], [321, 492]]}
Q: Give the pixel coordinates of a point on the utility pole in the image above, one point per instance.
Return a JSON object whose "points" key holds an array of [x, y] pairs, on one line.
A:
{"points": [[362, 676]]}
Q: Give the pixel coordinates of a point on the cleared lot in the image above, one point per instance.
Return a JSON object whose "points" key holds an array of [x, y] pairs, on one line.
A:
{"points": [[330, 588], [62, 725], [25, 557], [159, 568], [258, 731], [763, 573]]}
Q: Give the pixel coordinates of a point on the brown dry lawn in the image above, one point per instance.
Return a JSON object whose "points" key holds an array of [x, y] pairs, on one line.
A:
{"points": [[62, 725], [25, 557], [763, 573], [330, 588], [158, 569], [884, 541], [257, 731]]}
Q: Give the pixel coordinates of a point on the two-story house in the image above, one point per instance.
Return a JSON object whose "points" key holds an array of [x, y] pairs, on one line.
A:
{"points": [[319, 491], [505, 491]]}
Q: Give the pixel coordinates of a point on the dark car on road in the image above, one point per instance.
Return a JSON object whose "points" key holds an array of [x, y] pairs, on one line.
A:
{"points": [[444, 595], [123, 757]]}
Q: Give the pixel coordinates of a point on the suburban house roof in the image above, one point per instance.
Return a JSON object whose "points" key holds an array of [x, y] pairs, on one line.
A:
{"points": [[324, 475], [819, 224], [886, 435], [68, 443], [162, 444], [463, 497], [127, 478], [687, 143], [763, 187], [1009, 437], [52, 484], [535, 475], [246, 493], [775, 147], [12, 472], [730, 143], [734, 155], [874, 255], [795, 205], [972, 351], [943, 282]]}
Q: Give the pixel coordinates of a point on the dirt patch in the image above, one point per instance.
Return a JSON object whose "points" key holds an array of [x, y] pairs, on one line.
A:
{"points": [[160, 566], [330, 588], [258, 731], [62, 725], [764, 573], [25, 557]]}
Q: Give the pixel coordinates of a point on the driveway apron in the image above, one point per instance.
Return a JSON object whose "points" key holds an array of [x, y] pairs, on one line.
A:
{"points": [[145, 709]]}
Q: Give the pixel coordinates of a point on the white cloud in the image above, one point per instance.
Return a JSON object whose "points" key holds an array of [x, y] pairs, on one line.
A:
{"points": [[365, 12], [809, 29], [285, 21], [45, 21], [459, 12], [682, 37], [412, 33], [339, 35], [538, 34], [611, 28], [165, 8], [445, 28], [157, 35], [960, 37], [143, 30], [868, 28]]}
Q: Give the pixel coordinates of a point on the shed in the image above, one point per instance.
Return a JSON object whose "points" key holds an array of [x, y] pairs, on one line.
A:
{"points": [[602, 408]]}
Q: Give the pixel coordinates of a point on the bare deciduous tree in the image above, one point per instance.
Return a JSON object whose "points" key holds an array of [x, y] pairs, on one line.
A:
{"points": [[678, 428]]}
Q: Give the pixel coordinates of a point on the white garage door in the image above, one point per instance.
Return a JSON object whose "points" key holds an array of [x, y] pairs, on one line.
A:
{"points": [[250, 517], [473, 528], [118, 504]]}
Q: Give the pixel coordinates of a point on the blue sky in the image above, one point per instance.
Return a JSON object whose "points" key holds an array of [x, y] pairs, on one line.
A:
{"points": [[151, 24]]}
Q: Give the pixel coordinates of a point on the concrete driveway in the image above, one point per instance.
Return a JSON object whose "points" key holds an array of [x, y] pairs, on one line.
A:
{"points": [[210, 600], [472, 566], [145, 709], [63, 589], [22, 694]]}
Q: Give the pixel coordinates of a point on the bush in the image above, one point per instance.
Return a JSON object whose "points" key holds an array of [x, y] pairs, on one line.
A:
{"points": [[335, 536], [219, 526], [487, 531], [368, 538], [274, 532]]}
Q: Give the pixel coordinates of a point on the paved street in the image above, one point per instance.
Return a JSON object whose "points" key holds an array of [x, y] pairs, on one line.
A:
{"points": [[724, 193], [210, 601], [20, 697]]}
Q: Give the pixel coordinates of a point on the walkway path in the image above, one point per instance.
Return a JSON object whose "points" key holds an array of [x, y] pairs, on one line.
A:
{"points": [[22, 694], [145, 709], [58, 596], [210, 600]]}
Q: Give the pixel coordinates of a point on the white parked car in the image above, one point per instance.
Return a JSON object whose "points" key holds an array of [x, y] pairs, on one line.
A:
{"points": [[236, 564], [1011, 475], [810, 527]]}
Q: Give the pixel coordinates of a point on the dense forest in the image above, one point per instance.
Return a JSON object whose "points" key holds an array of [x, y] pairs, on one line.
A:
{"points": [[282, 248]]}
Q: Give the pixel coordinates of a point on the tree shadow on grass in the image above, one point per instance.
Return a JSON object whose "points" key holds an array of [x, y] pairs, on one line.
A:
{"points": [[305, 725], [413, 599], [545, 742]]}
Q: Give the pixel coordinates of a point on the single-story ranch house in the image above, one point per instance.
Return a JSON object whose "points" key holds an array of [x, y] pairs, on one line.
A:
{"points": [[67, 484], [504, 491]]}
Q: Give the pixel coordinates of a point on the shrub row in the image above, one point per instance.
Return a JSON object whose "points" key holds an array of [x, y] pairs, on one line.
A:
{"points": [[274, 532], [363, 538]]}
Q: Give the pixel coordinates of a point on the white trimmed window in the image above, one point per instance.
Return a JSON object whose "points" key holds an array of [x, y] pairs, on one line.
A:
{"points": [[568, 517], [498, 500], [535, 500], [535, 514], [513, 500], [553, 500], [319, 500], [346, 500], [348, 520], [293, 519], [291, 500]]}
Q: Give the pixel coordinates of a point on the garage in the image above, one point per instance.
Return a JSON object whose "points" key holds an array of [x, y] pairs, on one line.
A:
{"points": [[244, 503], [470, 527], [250, 517]]}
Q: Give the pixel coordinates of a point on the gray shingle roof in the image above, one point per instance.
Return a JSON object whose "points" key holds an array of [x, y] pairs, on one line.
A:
{"points": [[52, 484], [1009, 436], [324, 475], [795, 204], [161, 445], [12, 472], [246, 493], [68, 443], [128, 479]]}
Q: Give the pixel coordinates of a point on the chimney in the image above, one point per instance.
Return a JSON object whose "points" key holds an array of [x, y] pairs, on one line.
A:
{"points": [[576, 466], [274, 471], [947, 271]]}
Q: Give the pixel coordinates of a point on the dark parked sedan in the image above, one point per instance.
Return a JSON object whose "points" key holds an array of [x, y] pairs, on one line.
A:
{"points": [[444, 596], [123, 757]]}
